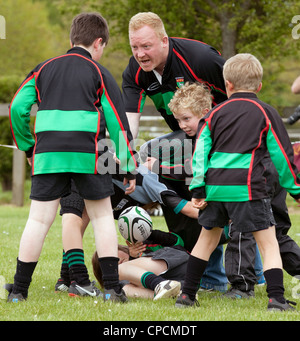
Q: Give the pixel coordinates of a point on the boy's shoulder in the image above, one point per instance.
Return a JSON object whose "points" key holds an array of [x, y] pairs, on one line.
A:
{"points": [[266, 105], [248, 99]]}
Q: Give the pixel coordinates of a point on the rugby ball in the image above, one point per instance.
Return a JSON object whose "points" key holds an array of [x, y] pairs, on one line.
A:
{"points": [[135, 224]]}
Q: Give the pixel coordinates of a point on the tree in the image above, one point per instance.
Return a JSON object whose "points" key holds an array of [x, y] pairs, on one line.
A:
{"points": [[30, 38], [261, 26]]}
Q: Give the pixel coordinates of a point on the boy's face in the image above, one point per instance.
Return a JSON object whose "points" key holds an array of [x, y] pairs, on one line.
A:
{"points": [[188, 121], [98, 52]]}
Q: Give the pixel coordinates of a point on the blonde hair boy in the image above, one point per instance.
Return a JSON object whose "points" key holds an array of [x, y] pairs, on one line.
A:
{"points": [[195, 97], [244, 72]]}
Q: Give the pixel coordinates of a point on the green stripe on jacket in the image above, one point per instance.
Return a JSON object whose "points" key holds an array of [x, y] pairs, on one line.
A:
{"points": [[230, 160], [62, 120]]}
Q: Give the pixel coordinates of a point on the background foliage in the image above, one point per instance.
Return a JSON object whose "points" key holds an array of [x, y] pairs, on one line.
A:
{"points": [[39, 29]]}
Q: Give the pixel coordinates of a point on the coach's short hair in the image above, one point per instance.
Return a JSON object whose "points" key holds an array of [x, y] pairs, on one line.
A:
{"points": [[148, 19]]}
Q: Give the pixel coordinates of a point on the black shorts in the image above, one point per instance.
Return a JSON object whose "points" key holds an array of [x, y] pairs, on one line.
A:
{"points": [[176, 260], [248, 216], [46, 187]]}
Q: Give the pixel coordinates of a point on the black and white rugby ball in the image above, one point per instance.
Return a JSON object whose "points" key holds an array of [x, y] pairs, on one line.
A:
{"points": [[135, 224]]}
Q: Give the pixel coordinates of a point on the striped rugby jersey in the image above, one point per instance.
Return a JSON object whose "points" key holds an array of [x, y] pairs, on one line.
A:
{"points": [[188, 61], [233, 139], [77, 100]]}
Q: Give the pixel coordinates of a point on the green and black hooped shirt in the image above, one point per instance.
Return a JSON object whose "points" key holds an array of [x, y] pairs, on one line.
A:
{"points": [[233, 139], [77, 100]]}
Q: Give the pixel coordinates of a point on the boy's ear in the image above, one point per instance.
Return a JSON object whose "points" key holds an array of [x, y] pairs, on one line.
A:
{"points": [[229, 85], [259, 87], [205, 111], [98, 42]]}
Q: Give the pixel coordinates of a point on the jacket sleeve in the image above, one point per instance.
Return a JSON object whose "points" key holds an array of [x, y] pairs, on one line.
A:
{"points": [[164, 239], [19, 115], [133, 95], [282, 155], [200, 162], [117, 123]]}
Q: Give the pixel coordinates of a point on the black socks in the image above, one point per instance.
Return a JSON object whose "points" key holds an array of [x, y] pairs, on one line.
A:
{"points": [[64, 270], [194, 272], [149, 280], [23, 277], [275, 288], [110, 273]]}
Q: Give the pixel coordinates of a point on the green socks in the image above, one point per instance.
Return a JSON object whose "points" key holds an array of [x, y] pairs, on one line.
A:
{"points": [[77, 270]]}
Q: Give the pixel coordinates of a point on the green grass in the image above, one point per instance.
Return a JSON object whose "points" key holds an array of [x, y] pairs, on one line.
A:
{"points": [[44, 304]]}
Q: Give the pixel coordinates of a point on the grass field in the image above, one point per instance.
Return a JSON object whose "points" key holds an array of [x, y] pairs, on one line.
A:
{"points": [[44, 304]]}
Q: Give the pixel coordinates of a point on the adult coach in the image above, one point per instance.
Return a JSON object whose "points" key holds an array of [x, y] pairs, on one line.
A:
{"points": [[161, 64]]}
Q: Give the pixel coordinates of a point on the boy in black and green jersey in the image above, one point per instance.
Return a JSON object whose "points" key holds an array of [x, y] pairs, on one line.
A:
{"points": [[77, 99], [233, 139]]}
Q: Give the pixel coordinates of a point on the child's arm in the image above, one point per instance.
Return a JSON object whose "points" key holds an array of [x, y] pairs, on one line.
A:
{"points": [[200, 161], [19, 115], [162, 238], [282, 155], [117, 123]]}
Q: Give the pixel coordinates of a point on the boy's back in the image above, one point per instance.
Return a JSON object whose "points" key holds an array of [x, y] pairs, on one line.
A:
{"points": [[69, 90], [69, 82], [233, 140], [239, 132]]}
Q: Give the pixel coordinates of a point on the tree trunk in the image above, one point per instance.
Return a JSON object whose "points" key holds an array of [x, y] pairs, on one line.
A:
{"points": [[229, 37], [6, 183]]}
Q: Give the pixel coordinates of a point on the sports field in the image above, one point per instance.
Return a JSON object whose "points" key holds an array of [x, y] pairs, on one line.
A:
{"points": [[44, 304]]}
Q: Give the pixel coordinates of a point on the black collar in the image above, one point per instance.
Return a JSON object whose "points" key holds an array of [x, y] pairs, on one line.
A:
{"points": [[243, 95], [80, 50]]}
